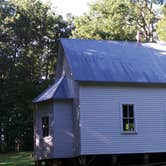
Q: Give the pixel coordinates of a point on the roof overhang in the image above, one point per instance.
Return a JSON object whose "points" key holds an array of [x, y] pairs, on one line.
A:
{"points": [[61, 89]]}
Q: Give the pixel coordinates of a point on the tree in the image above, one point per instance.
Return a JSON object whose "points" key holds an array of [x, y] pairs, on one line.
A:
{"points": [[107, 19], [161, 27], [29, 33], [117, 20], [146, 17]]}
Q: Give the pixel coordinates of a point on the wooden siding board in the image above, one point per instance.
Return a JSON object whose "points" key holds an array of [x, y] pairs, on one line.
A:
{"points": [[76, 109], [75, 104], [63, 129], [100, 120], [43, 146], [62, 65], [66, 68]]}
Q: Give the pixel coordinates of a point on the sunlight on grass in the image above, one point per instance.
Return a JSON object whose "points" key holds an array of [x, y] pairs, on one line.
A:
{"points": [[16, 159]]}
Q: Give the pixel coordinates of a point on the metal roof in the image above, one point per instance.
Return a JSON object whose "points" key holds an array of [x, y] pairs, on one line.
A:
{"points": [[61, 89], [116, 61]]}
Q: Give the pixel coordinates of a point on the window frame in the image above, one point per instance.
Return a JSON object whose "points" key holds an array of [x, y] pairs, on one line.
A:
{"points": [[122, 118], [47, 128]]}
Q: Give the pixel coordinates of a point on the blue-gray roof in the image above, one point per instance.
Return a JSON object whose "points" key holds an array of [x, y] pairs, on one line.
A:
{"points": [[116, 61], [61, 89]]}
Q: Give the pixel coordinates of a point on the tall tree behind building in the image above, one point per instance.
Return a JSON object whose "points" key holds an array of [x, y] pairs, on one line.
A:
{"points": [[29, 32], [117, 20]]}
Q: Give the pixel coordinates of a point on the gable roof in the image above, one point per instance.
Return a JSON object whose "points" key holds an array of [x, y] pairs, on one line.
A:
{"points": [[60, 89], [116, 61]]}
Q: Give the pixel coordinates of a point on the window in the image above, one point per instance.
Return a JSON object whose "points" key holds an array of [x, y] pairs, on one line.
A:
{"points": [[128, 120], [45, 126]]}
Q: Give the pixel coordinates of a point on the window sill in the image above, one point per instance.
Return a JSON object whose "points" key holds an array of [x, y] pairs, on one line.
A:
{"points": [[46, 138], [128, 132]]}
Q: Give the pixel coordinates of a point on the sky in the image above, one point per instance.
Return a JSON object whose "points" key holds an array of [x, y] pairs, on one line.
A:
{"points": [[76, 7]]}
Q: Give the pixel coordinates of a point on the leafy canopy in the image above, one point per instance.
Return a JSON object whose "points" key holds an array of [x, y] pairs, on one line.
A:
{"points": [[116, 20], [29, 33], [161, 28]]}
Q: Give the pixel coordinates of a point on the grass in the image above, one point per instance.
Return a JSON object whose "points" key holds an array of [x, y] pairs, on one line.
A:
{"points": [[16, 159]]}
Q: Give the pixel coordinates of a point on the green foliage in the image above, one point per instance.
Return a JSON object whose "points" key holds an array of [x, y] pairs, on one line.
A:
{"points": [[17, 159], [115, 20], [107, 19], [161, 28], [29, 33]]}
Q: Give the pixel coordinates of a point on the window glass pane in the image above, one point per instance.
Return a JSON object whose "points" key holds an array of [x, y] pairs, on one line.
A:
{"points": [[45, 121], [131, 111], [45, 126], [131, 125], [125, 125], [125, 112], [45, 132], [128, 117]]}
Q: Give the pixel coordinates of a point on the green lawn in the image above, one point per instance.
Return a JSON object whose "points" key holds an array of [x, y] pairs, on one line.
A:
{"points": [[16, 159]]}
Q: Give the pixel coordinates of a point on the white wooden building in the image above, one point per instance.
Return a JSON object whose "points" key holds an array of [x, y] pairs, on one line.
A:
{"points": [[109, 98]]}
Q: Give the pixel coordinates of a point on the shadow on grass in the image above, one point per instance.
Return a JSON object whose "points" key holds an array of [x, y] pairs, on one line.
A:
{"points": [[16, 159]]}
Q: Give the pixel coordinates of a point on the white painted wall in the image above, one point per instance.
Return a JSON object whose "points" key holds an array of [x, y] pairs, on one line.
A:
{"points": [[59, 144], [63, 129], [100, 120], [43, 146]]}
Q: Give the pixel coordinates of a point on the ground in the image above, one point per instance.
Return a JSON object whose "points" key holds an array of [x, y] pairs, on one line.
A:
{"points": [[16, 159]]}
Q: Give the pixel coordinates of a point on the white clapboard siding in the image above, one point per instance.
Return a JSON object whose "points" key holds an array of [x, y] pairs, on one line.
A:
{"points": [[100, 120], [43, 146], [63, 129]]}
